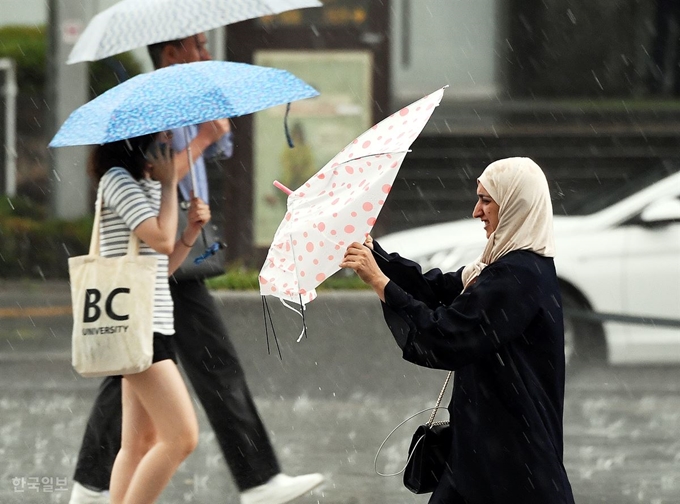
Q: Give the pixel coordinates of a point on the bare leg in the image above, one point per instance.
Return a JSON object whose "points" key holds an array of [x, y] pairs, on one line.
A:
{"points": [[159, 431], [138, 441]]}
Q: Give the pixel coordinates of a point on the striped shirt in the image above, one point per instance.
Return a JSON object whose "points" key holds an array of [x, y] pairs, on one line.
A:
{"points": [[126, 204]]}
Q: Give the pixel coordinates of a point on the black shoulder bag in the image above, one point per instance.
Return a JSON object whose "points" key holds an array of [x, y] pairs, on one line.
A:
{"points": [[209, 239], [429, 451]]}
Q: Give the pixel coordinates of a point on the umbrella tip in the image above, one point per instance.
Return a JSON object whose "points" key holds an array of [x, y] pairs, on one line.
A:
{"points": [[282, 187]]}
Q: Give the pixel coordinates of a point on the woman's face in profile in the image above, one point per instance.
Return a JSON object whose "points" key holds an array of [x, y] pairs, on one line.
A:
{"points": [[486, 209]]}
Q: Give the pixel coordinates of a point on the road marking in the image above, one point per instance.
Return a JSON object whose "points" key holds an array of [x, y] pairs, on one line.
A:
{"points": [[35, 311]]}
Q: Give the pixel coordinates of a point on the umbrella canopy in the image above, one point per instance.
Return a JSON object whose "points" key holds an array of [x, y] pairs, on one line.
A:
{"points": [[136, 23], [339, 205], [177, 96]]}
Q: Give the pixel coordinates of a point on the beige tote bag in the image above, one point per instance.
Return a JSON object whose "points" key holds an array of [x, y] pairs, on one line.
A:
{"points": [[112, 300]]}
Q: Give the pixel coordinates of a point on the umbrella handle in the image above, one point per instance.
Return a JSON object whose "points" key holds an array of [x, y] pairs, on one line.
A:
{"points": [[279, 185]]}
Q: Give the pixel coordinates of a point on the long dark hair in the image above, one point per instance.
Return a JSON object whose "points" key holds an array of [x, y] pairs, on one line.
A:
{"points": [[128, 154]]}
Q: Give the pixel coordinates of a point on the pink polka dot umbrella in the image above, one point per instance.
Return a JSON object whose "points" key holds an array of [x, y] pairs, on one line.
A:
{"points": [[339, 205]]}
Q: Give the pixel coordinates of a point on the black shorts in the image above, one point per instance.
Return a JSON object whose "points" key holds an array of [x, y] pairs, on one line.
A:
{"points": [[163, 348]]}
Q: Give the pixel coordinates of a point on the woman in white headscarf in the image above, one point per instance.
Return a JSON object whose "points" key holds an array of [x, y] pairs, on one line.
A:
{"points": [[497, 322]]}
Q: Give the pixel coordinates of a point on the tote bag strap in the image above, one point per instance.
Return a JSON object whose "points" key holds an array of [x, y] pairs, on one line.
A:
{"points": [[95, 240]]}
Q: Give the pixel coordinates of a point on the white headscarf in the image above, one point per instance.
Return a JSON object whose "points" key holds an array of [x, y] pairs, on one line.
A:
{"points": [[525, 217]]}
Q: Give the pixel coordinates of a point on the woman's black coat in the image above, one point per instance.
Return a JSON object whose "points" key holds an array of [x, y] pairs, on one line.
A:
{"points": [[504, 338]]}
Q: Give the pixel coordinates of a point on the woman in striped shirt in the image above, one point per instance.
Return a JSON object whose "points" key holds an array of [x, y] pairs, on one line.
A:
{"points": [[139, 187]]}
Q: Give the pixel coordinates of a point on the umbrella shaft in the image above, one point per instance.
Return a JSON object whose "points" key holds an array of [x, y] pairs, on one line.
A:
{"points": [[191, 164]]}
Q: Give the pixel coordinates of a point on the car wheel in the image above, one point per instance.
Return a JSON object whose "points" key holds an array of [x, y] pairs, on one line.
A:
{"points": [[584, 340]]}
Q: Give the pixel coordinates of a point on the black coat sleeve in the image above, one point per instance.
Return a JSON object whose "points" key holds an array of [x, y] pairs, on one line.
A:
{"points": [[475, 324], [433, 288]]}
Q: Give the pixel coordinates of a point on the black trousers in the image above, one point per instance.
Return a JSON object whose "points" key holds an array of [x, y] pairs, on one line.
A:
{"points": [[212, 366]]}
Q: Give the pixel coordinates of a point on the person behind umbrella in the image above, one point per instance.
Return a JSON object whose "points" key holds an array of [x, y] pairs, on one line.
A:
{"points": [[497, 323], [138, 183], [202, 342]]}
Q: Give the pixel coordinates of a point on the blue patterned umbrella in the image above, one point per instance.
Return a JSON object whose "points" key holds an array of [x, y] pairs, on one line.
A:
{"points": [[135, 23], [177, 96]]}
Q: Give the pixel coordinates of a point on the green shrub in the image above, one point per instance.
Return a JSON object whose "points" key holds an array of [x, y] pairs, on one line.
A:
{"points": [[236, 277], [27, 45], [21, 207], [239, 278], [34, 247]]}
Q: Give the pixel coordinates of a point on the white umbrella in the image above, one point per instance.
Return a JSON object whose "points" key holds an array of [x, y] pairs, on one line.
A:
{"points": [[136, 23], [339, 204]]}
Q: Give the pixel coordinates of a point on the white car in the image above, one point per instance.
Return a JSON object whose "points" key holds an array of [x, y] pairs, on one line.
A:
{"points": [[618, 262]]}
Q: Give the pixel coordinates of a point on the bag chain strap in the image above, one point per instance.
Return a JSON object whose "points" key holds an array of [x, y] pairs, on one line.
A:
{"points": [[439, 400]]}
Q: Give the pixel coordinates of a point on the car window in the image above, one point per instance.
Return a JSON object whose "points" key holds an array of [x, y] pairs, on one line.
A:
{"points": [[614, 192]]}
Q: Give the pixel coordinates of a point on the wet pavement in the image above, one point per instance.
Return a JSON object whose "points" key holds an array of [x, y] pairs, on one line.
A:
{"points": [[328, 404]]}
